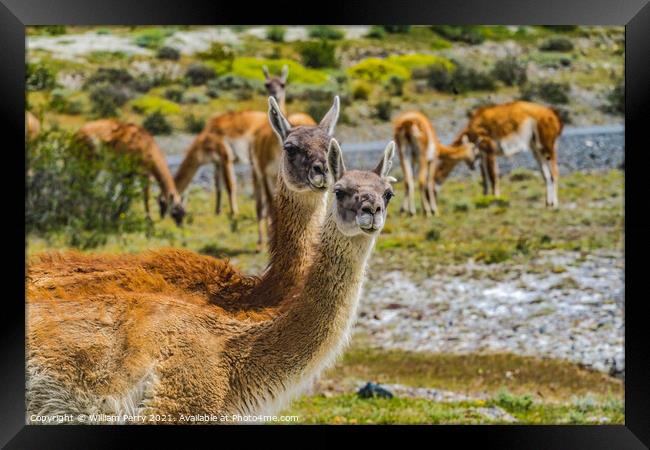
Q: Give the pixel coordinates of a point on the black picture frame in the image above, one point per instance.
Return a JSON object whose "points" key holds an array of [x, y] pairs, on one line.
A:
{"points": [[634, 14]]}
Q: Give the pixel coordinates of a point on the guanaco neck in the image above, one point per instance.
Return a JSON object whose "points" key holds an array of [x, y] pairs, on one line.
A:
{"points": [[295, 220], [163, 176], [294, 347], [282, 102], [189, 166]]}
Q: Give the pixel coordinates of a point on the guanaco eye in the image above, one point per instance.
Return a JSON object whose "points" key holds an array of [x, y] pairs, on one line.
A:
{"points": [[340, 194], [291, 149], [388, 195]]}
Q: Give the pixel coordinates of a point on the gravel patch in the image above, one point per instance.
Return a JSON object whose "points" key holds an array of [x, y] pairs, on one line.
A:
{"points": [[576, 315]]}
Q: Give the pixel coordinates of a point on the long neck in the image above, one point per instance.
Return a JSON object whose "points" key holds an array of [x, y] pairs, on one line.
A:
{"points": [[161, 173], [449, 156], [189, 166], [295, 224], [299, 344]]}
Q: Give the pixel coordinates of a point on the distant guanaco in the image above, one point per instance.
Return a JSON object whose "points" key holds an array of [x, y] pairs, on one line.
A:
{"points": [[266, 150], [417, 144], [509, 128], [134, 139], [32, 126]]}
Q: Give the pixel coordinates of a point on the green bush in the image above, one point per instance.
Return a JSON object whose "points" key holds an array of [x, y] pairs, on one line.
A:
{"points": [[556, 44], [326, 32], [377, 70], [156, 123], [251, 68], [198, 74], [361, 90], [61, 102], [514, 403], [318, 54], [169, 53], [510, 71], [83, 193], [106, 99], [275, 33], [414, 61], [376, 32], [395, 86], [383, 110], [469, 34], [461, 80], [109, 75], [39, 77], [397, 29], [193, 124], [548, 91], [153, 38], [219, 57], [54, 30], [148, 104], [174, 95]]}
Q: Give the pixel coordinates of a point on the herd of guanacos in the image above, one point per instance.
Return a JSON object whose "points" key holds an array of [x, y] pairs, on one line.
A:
{"points": [[233, 137]]}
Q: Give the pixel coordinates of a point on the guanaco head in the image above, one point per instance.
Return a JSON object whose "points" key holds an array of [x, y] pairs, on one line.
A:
{"points": [[360, 198], [303, 163], [469, 145], [275, 85], [173, 203]]}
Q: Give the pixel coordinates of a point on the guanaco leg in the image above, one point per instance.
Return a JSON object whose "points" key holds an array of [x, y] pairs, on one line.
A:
{"points": [[408, 204]]}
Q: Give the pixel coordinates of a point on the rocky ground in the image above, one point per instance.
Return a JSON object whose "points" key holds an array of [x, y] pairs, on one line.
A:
{"points": [[562, 305]]}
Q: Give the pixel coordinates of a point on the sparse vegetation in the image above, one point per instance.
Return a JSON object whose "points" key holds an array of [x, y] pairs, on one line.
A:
{"points": [[326, 32], [156, 123], [461, 33], [275, 33], [556, 44], [510, 71], [318, 54]]}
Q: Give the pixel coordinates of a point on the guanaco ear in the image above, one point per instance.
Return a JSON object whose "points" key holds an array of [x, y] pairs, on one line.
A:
{"points": [[279, 123], [329, 121], [335, 164], [386, 162], [267, 75], [285, 74]]}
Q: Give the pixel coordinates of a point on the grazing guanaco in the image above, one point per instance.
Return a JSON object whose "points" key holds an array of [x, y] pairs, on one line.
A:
{"points": [[509, 128], [299, 211], [266, 150], [225, 140], [417, 144], [134, 139], [32, 126], [168, 356]]}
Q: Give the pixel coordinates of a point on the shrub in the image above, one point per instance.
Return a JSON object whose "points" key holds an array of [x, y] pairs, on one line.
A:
{"points": [[514, 403], [361, 90], [464, 33], [174, 95], [397, 29], [383, 110], [556, 44], [219, 57], [275, 33], [395, 86], [510, 71], [156, 123], [318, 54], [85, 196], [109, 75], [376, 32], [415, 61], [148, 104], [462, 79], [326, 32], [195, 98], [548, 91], [54, 30], [251, 68], [193, 124], [60, 102], [616, 98], [153, 37], [106, 99], [198, 74], [377, 70], [169, 53], [39, 77]]}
